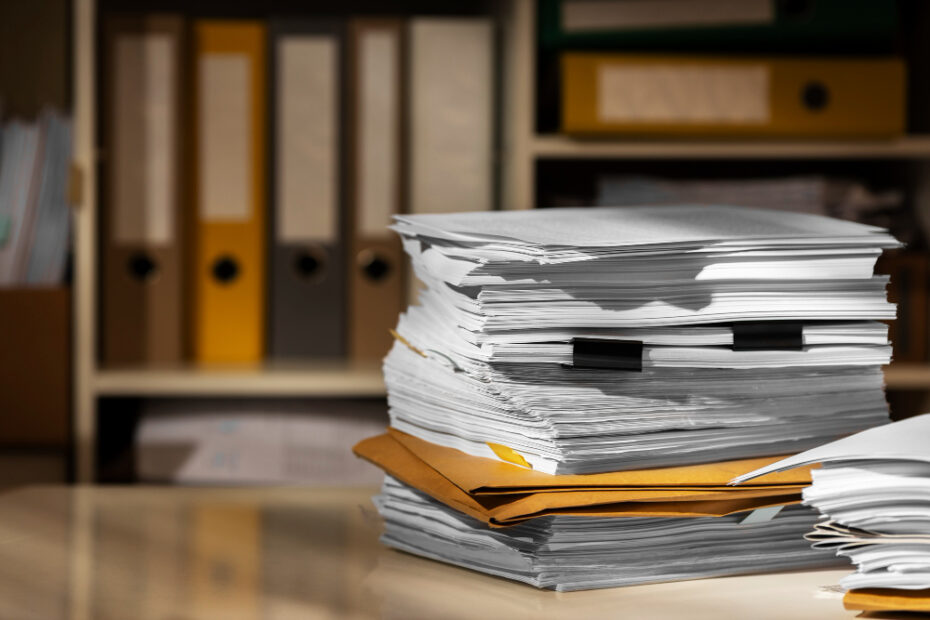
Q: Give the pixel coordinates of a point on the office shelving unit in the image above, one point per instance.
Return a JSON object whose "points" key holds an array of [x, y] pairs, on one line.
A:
{"points": [[522, 148]]}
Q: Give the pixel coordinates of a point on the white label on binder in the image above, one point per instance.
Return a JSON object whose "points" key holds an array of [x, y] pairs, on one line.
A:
{"points": [[378, 133], [224, 154], [143, 182], [598, 15], [451, 115], [307, 149], [658, 93]]}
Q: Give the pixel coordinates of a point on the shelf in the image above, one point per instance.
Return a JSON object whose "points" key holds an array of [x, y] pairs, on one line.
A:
{"points": [[558, 147], [319, 379], [908, 376]]}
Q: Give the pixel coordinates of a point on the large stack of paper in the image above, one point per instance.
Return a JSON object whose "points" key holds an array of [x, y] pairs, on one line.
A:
{"points": [[558, 354], [874, 494], [588, 531], [590, 340]]}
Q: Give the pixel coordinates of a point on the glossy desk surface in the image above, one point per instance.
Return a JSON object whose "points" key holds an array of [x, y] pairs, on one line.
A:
{"points": [[178, 553]]}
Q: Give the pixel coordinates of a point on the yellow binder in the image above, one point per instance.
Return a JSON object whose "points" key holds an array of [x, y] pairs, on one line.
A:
{"points": [[228, 305], [703, 96]]}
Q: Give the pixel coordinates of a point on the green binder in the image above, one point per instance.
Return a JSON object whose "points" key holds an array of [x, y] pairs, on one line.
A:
{"points": [[795, 26]]}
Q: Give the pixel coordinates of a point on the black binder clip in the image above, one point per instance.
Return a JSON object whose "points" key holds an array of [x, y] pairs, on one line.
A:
{"points": [[768, 336], [590, 353]]}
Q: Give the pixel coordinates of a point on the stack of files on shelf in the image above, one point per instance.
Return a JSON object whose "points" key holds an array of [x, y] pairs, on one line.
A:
{"points": [[582, 341], [254, 442], [584, 532], [873, 492], [35, 171], [251, 170]]}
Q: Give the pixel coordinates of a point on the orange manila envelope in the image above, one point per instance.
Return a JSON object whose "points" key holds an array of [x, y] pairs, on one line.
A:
{"points": [[389, 454], [887, 599], [480, 476]]}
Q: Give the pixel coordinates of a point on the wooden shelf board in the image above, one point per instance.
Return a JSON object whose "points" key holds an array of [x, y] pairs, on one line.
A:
{"points": [[908, 376], [558, 146], [323, 379]]}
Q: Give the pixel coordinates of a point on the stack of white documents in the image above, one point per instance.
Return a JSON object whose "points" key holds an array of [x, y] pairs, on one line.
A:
{"points": [[574, 553], [601, 339], [874, 494]]}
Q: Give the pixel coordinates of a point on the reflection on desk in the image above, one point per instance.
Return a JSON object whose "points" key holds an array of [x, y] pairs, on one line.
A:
{"points": [[179, 553]]}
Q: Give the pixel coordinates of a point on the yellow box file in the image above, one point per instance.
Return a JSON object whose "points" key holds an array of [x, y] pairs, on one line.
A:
{"points": [[704, 96], [227, 300]]}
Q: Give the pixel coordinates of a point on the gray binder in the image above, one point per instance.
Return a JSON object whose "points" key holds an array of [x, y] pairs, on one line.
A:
{"points": [[307, 296]]}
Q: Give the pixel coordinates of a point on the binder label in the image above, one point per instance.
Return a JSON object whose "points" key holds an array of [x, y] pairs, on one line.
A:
{"points": [[225, 150], [143, 180], [666, 93], [307, 140]]}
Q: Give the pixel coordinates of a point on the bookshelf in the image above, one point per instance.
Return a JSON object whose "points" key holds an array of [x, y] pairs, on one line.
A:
{"points": [[521, 148]]}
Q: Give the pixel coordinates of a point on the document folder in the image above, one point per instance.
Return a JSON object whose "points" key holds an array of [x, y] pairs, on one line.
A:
{"points": [[377, 186], [144, 190], [228, 255], [307, 270], [703, 96], [388, 454]]}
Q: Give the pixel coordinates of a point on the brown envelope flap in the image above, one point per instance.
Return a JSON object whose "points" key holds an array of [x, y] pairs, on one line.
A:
{"points": [[663, 509], [483, 476], [399, 462], [394, 459], [535, 504], [887, 599]]}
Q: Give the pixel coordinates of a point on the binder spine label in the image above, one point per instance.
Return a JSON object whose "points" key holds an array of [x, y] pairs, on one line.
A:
{"points": [[590, 353], [668, 93]]}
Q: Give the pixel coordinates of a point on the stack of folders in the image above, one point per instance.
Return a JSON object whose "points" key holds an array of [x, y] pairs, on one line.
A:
{"points": [[253, 167], [574, 342], [873, 492]]}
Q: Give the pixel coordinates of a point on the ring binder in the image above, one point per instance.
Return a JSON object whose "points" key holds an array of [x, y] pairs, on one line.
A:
{"points": [[607, 354], [768, 335]]}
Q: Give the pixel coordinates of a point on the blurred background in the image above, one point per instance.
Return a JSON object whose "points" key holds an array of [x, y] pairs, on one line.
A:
{"points": [[197, 282]]}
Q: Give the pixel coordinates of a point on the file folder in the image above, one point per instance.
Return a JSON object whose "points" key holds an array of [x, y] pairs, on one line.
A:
{"points": [[376, 188], [701, 96], [307, 258], [228, 236], [738, 25], [451, 98], [144, 192]]}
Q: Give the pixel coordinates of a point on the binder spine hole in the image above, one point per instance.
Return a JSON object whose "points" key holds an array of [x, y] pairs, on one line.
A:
{"points": [[815, 96], [308, 265], [142, 268], [375, 266], [225, 269]]}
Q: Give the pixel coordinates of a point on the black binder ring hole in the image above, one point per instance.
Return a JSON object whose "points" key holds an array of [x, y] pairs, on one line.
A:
{"points": [[815, 96], [375, 266], [142, 268], [309, 265], [225, 269]]}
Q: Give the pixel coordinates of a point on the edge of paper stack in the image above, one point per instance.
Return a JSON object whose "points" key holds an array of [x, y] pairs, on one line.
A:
{"points": [[873, 493]]}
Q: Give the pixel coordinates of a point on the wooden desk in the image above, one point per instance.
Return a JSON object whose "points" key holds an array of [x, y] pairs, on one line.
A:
{"points": [[169, 553]]}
